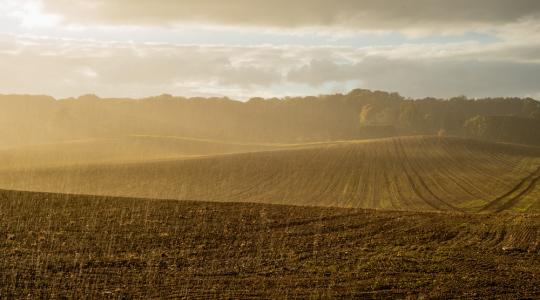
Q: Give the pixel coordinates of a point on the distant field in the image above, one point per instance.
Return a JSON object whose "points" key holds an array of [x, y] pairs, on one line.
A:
{"points": [[414, 173], [135, 148], [54, 246]]}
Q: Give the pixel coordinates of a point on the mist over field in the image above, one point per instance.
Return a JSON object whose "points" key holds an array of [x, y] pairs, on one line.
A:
{"points": [[274, 150]]}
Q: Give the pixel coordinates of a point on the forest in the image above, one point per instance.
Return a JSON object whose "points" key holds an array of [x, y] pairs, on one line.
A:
{"points": [[359, 114]]}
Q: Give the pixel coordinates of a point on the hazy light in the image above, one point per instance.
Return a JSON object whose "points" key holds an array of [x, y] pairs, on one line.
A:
{"points": [[28, 13]]}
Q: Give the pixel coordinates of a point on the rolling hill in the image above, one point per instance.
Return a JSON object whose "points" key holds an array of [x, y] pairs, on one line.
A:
{"points": [[413, 173], [133, 148]]}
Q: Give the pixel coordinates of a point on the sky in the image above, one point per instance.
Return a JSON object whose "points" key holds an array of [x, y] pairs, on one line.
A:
{"points": [[259, 48]]}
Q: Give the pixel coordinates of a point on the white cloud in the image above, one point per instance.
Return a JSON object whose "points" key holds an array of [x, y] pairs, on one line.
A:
{"points": [[497, 50], [63, 67], [28, 13]]}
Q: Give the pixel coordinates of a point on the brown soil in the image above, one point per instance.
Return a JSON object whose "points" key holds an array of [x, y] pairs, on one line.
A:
{"points": [[54, 245]]}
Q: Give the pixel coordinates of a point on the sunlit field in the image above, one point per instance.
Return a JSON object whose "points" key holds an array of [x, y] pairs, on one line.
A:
{"points": [[410, 173], [454, 218], [284, 149]]}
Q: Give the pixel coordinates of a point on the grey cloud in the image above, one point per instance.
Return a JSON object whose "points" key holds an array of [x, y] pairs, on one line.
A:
{"points": [[429, 77], [358, 14], [320, 71]]}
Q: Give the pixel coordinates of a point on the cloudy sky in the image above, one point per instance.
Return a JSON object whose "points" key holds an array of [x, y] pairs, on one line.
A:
{"points": [[246, 48]]}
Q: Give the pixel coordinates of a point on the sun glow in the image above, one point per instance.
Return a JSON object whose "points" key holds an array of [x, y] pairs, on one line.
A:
{"points": [[29, 13]]}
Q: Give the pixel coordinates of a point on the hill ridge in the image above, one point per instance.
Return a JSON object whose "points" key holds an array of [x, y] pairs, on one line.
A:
{"points": [[410, 173]]}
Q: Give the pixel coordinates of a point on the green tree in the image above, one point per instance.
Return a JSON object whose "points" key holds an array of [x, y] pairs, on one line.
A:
{"points": [[366, 115], [408, 115], [476, 126]]}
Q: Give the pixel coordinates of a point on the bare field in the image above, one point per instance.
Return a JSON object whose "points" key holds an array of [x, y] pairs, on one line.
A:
{"points": [[55, 245], [134, 148], [413, 173]]}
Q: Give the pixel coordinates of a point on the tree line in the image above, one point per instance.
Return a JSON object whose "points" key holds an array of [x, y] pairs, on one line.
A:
{"points": [[358, 114]]}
